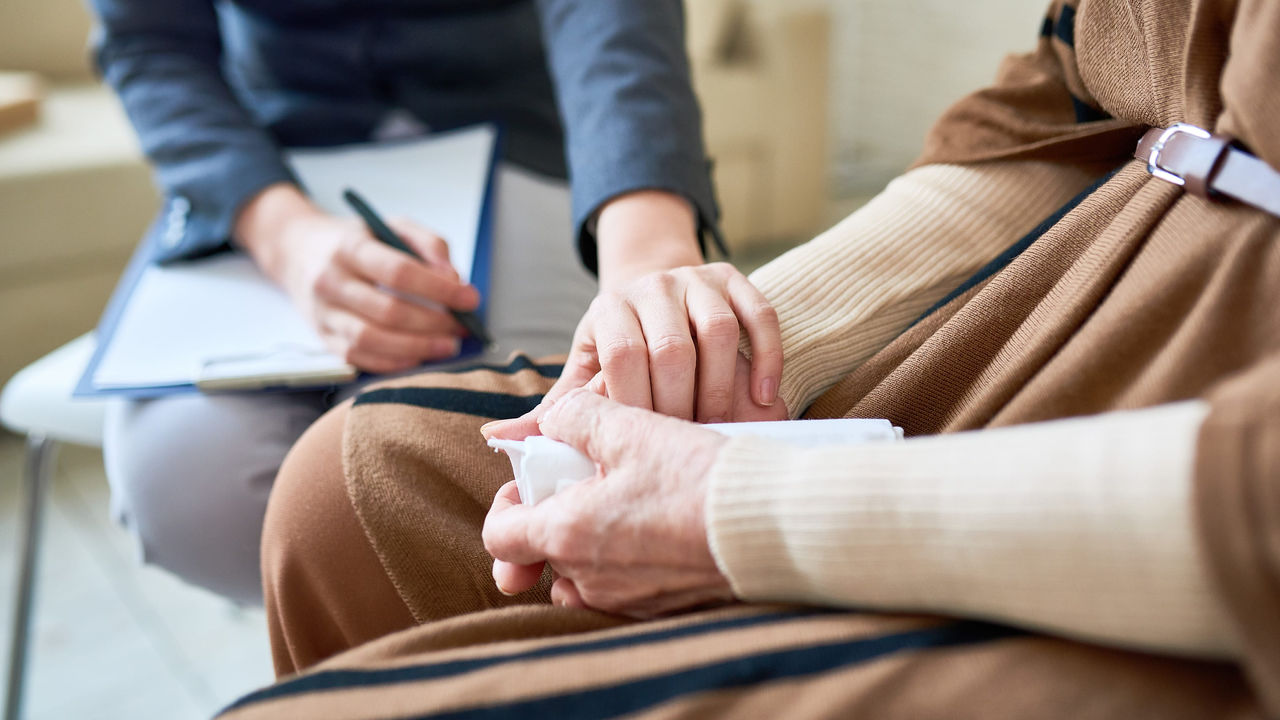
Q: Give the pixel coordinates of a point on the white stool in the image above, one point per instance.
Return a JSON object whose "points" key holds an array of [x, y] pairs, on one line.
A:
{"points": [[37, 403]]}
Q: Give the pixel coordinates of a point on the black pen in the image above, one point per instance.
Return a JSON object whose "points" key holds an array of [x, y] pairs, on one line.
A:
{"points": [[387, 236]]}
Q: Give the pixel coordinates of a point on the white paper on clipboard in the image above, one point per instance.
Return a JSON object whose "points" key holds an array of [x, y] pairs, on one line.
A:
{"points": [[184, 318], [220, 324]]}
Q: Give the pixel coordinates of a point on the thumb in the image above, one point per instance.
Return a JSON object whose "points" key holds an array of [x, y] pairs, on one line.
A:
{"points": [[579, 369], [603, 429], [517, 428], [575, 374]]}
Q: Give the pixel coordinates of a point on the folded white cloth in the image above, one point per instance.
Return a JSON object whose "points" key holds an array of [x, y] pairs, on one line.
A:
{"points": [[543, 466]]}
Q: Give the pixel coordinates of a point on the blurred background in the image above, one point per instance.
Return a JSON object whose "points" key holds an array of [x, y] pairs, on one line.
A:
{"points": [[810, 106]]}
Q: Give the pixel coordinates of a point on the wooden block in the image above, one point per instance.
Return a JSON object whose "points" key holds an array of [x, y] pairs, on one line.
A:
{"points": [[20, 94]]}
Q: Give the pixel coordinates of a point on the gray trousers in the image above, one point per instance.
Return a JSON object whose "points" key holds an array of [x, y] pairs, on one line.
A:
{"points": [[190, 474]]}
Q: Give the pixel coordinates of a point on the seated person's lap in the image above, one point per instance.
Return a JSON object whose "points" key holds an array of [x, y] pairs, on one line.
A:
{"points": [[350, 555], [190, 476], [743, 661], [375, 527]]}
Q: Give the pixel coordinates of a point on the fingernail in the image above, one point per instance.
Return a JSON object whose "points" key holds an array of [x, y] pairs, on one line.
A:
{"points": [[768, 391], [489, 428], [504, 591]]}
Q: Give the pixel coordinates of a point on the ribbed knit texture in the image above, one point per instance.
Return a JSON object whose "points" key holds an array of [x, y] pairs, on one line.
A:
{"points": [[421, 479], [846, 294], [1079, 527], [1141, 297]]}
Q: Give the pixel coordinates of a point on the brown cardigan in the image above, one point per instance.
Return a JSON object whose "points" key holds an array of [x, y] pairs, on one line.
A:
{"points": [[1139, 296], [1142, 295]]}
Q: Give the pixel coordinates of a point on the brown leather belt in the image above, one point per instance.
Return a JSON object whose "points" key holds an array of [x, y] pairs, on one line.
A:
{"points": [[1207, 164]]}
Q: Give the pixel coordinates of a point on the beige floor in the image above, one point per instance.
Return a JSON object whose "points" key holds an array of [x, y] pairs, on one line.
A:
{"points": [[113, 639]]}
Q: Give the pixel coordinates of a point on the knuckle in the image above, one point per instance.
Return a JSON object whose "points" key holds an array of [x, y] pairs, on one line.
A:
{"points": [[605, 301], [672, 350], [324, 284], [594, 597], [764, 312], [562, 540], [657, 283], [722, 269], [349, 244], [437, 347], [597, 306], [362, 337], [620, 351], [557, 550], [389, 311], [721, 325], [400, 275], [715, 397]]}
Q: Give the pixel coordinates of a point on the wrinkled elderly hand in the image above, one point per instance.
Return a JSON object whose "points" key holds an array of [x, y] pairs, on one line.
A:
{"points": [[631, 540]]}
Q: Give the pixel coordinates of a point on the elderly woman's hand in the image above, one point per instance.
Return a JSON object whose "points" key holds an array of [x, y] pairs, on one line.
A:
{"points": [[631, 540]]}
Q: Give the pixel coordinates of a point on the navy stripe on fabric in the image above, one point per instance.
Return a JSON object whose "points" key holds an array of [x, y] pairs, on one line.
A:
{"points": [[632, 697], [1008, 256], [1065, 28], [468, 402], [518, 363], [340, 679], [1046, 28], [1086, 112]]}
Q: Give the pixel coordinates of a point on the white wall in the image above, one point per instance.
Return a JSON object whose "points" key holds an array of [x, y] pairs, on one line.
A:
{"points": [[896, 64]]}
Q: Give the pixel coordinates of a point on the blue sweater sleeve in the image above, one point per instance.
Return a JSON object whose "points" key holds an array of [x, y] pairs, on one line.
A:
{"points": [[163, 59], [631, 118]]}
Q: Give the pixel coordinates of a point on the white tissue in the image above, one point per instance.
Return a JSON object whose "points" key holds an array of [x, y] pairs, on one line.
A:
{"points": [[543, 466]]}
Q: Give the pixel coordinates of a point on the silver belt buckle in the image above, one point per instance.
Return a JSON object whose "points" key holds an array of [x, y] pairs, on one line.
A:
{"points": [[1153, 161]]}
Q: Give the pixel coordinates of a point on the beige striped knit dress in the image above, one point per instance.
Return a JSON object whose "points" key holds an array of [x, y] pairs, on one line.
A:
{"points": [[1083, 523]]}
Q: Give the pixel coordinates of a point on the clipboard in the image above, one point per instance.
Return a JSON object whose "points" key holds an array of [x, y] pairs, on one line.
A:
{"points": [[217, 324]]}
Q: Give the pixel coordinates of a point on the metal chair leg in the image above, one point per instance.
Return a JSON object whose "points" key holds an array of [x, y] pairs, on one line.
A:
{"points": [[39, 467]]}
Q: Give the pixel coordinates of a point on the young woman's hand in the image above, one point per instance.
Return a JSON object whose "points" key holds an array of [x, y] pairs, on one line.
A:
{"points": [[376, 307], [668, 342], [663, 332]]}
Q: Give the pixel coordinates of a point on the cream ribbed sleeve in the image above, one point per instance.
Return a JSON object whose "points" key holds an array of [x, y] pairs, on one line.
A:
{"points": [[847, 293], [1080, 527]]}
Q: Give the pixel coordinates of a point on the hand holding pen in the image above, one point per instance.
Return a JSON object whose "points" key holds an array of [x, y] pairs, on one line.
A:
{"points": [[361, 295], [381, 231]]}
